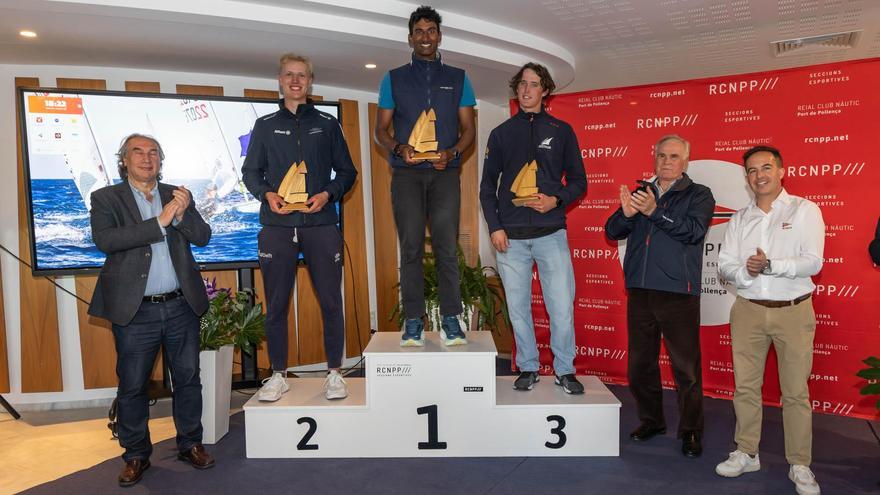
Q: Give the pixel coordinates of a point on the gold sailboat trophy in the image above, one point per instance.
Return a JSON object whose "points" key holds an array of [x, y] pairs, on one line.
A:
{"points": [[525, 185], [423, 137], [293, 188]]}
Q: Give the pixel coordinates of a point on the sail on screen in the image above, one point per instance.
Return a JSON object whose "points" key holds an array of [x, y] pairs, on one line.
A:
{"points": [[71, 141]]}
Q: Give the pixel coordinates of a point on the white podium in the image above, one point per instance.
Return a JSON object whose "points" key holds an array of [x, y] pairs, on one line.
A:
{"points": [[434, 401]]}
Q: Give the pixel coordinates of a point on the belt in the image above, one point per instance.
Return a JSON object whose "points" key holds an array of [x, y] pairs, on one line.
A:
{"points": [[160, 298], [781, 304]]}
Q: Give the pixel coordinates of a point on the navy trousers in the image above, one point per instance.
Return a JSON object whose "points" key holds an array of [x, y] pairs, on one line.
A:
{"points": [[322, 250], [173, 325]]}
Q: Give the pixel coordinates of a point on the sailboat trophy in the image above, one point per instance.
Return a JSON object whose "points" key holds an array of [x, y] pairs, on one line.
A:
{"points": [[525, 185], [293, 188], [423, 137]]}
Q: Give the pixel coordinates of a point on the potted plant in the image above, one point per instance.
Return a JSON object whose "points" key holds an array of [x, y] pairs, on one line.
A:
{"points": [[232, 320], [872, 374], [482, 301]]}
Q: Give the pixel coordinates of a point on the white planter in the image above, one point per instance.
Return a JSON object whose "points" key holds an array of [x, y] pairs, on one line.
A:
{"points": [[215, 370]]}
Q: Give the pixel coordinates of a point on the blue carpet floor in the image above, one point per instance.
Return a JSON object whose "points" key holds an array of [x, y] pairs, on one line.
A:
{"points": [[846, 460]]}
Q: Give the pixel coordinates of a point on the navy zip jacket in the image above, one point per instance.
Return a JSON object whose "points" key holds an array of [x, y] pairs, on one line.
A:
{"points": [[665, 251], [516, 142], [281, 139], [420, 85]]}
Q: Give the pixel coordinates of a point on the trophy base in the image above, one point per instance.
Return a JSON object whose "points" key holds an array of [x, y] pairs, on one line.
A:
{"points": [[431, 156], [523, 200], [294, 207]]}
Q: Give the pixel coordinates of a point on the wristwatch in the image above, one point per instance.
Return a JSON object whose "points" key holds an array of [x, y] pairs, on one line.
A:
{"points": [[456, 154], [558, 201], [766, 270]]}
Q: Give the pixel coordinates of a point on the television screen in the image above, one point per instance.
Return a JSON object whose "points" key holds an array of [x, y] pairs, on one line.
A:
{"points": [[70, 139]]}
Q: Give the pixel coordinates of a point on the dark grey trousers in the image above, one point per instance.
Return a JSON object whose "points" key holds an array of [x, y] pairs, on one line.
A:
{"points": [[430, 197]]}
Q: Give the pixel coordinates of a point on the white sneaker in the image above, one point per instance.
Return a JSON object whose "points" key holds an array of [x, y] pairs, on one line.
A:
{"points": [[738, 463], [272, 388], [334, 386], [804, 480]]}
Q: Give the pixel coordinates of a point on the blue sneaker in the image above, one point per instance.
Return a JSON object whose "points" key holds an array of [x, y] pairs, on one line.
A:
{"points": [[450, 331], [413, 330]]}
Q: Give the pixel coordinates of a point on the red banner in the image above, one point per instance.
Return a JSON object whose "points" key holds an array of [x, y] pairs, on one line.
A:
{"points": [[824, 121]]}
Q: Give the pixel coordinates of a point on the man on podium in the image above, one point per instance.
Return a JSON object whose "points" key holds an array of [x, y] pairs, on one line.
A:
{"points": [[427, 101], [297, 140], [525, 213]]}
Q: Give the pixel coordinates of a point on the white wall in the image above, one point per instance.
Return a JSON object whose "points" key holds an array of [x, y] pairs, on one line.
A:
{"points": [[74, 394]]}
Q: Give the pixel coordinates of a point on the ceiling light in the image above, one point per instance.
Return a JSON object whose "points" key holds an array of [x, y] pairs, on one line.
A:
{"points": [[370, 66], [27, 34]]}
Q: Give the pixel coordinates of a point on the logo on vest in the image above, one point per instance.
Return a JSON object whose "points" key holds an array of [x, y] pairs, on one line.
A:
{"points": [[282, 131], [545, 144]]}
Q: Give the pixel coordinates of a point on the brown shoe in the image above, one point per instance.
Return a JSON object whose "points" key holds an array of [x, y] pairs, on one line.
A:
{"points": [[133, 471], [197, 457]]}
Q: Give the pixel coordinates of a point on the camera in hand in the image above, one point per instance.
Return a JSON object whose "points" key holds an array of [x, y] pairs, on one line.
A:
{"points": [[643, 186]]}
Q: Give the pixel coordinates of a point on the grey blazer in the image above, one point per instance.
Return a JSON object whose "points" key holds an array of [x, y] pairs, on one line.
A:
{"points": [[119, 232]]}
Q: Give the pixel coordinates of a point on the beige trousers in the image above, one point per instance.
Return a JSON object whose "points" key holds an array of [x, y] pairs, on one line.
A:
{"points": [[790, 329]]}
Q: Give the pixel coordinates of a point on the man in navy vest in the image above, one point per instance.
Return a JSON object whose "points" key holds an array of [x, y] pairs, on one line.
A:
{"points": [[423, 190]]}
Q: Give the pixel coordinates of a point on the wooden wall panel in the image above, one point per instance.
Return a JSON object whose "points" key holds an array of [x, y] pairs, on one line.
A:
{"points": [[190, 89], [384, 232], [357, 301], [261, 93], [4, 359], [310, 324], [469, 222], [40, 347], [143, 86], [97, 348]]}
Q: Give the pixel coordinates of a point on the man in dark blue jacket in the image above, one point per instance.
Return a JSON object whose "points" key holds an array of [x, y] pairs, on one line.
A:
{"points": [[298, 132], [424, 190], [664, 224], [535, 232]]}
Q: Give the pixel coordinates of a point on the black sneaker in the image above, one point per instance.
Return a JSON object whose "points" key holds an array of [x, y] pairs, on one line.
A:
{"points": [[526, 380], [570, 384]]}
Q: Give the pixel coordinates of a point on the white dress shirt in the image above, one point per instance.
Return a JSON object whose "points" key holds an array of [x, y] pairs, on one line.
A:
{"points": [[792, 235]]}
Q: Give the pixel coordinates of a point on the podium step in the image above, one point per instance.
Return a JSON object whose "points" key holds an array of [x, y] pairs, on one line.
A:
{"points": [[434, 401]]}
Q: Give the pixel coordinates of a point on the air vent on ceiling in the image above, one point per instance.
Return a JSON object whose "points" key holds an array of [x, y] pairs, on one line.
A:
{"points": [[813, 44]]}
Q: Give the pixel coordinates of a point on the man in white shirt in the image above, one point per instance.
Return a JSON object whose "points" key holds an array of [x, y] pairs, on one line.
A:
{"points": [[771, 249]]}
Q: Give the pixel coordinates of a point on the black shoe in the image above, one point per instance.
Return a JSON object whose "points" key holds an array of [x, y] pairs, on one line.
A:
{"points": [[526, 380], [646, 432], [570, 384], [691, 446]]}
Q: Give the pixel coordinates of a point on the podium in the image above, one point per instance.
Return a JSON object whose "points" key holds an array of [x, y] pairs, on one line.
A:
{"points": [[434, 401]]}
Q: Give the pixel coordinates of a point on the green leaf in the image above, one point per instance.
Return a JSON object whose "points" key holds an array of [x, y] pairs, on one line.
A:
{"points": [[869, 373], [870, 389], [872, 362]]}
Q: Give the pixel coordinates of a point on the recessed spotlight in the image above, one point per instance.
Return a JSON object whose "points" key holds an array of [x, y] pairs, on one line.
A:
{"points": [[27, 34], [370, 66]]}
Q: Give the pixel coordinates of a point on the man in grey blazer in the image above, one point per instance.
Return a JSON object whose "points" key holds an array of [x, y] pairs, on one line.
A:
{"points": [[152, 292]]}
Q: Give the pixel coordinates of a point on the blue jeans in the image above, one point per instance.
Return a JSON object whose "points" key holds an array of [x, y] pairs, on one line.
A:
{"points": [[557, 283], [174, 325]]}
